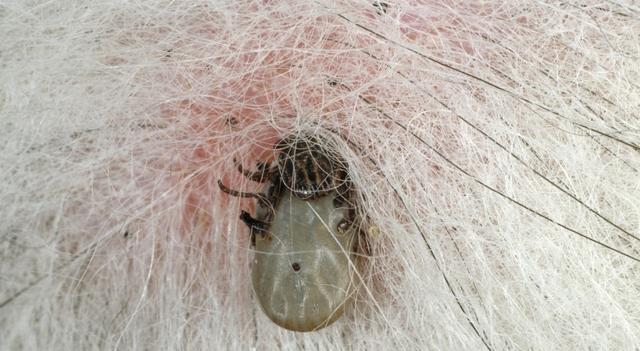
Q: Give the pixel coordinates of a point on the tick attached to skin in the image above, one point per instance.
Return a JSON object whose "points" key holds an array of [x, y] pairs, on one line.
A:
{"points": [[304, 234]]}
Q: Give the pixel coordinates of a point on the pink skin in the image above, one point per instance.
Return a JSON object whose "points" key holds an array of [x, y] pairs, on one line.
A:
{"points": [[277, 90]]}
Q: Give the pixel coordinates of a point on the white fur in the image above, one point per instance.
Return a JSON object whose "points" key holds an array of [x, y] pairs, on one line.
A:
{"points": [[114, 119]]}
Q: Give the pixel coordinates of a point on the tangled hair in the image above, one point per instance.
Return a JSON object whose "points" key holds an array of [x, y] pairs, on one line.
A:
{"points": [[495, 148]]}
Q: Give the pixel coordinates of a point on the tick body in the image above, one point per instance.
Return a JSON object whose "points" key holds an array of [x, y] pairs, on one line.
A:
{"points": [[304, 235], [302, 272]]}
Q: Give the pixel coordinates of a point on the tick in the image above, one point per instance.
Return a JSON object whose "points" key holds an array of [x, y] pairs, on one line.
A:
{"points": [[304, 233]]}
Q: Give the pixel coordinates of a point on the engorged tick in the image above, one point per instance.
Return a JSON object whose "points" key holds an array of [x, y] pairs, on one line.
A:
{"points": [[303, 233]]}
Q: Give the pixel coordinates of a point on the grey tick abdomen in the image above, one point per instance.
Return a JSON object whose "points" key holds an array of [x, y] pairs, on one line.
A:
{"points": [[303, 270]]}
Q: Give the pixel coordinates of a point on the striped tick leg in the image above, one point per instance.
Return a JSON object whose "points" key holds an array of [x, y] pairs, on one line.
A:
{"points": [[255, 225], [262, 175]]}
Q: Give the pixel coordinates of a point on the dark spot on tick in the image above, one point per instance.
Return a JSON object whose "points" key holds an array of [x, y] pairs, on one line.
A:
{"points": [[295, 266]]}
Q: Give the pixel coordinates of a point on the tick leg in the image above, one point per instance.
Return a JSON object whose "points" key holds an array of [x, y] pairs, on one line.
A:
{"points": [[339, 201], [262, 175], [262, 199], [257, 226]]}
